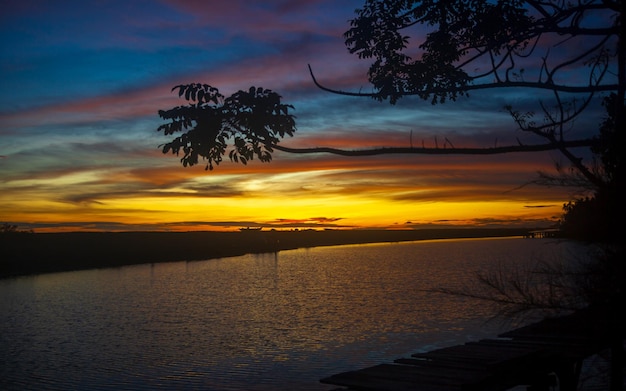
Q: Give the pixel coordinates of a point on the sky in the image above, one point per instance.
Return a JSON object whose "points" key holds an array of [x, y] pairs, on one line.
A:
{"points": [[81, 83]]}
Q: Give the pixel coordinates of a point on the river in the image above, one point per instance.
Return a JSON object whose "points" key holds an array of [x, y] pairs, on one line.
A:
{"points": [[254, 322]]}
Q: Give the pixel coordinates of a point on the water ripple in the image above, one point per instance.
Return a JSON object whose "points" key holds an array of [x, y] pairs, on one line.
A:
{"points": [[255, 322]]}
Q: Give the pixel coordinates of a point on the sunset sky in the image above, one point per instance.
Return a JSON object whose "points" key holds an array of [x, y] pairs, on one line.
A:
{"points": [[81, 83]]}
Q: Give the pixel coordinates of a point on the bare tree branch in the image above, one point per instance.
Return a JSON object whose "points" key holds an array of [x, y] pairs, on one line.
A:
{"points": [[440, 151]]}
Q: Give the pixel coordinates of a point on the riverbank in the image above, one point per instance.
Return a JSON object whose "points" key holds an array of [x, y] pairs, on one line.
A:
{"points": [[33, 253]]}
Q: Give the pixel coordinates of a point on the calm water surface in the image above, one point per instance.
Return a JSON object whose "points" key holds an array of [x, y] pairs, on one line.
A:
{"points": [[256, 322]]}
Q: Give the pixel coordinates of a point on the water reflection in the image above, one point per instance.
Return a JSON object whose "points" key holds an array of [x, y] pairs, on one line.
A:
{"points": [[254, 322]]}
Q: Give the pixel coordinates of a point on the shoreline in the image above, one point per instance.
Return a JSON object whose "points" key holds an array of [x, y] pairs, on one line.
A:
{"points": [[37, 253]]}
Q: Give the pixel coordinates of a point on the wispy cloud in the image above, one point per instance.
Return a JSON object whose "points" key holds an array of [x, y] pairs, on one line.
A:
{"points": [[79, 97]]}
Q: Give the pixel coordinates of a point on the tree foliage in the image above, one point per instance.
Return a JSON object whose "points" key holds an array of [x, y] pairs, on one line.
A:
{"points": [[598, 216], [252, 121], [476, 44], [440, 51], [571, 55], [568, 53]]}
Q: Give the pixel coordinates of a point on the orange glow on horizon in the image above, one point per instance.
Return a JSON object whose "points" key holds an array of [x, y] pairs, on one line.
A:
{"points": [[338, 211], [293, 191]]}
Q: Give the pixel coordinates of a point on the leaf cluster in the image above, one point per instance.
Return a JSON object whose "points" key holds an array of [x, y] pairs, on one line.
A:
{"points": [[609, 140], [247, 124], [465, 41]]}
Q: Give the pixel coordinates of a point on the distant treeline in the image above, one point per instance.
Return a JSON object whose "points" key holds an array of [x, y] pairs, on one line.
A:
{"points": [[31, 253]]}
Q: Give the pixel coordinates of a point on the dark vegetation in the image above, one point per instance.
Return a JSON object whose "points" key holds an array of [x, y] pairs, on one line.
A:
{"points": [[530, 46], [30, 253], [468, 46], [571, 56]]}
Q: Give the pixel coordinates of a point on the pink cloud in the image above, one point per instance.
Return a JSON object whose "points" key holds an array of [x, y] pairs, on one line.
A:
{"points": [[266, 18]]}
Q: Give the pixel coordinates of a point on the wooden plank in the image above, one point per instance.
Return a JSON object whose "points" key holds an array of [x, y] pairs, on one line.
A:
{"points": [[549, 347], [551, 335], [452, 359], [588, 325], [443, 375], [484, 354], [565, 347], [441, 363], [519, 357], [358, 380], [503, 366], [390, 376], [506, 355]]}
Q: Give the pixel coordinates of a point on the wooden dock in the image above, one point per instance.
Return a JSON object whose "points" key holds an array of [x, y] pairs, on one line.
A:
{"points": [[539, 355]]}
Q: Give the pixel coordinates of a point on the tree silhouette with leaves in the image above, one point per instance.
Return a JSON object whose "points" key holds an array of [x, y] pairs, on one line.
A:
{"points": [[252, 120], [439, 51], [571, 54]]}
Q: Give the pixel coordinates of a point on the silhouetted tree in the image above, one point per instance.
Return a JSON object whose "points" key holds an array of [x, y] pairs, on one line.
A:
{"points": [[478, 45], [441, 51], [252, 120]]}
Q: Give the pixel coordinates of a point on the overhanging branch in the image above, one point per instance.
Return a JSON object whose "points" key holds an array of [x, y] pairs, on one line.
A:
{"points": [[439, 151], [474, 87]]}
